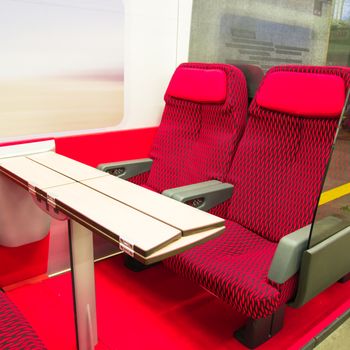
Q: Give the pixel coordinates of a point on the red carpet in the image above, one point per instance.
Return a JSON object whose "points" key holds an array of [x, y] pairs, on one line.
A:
{"points": [[156, 309]]}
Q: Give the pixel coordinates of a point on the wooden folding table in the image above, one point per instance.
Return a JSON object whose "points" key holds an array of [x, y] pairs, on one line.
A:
{"points": [[144, 224]]}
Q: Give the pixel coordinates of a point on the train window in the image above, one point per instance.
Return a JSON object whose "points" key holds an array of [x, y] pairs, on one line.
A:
{"points": [[270, 32], [276, 32], [61, 65], [333, 212], [339, 40]]}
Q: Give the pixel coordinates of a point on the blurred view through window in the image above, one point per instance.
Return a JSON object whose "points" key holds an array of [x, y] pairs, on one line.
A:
{"points": [[339, 40], [61, 65]]}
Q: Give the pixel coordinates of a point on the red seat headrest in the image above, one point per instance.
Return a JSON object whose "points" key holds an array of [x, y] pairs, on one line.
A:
{"points": [[303, 94], [198, 85]]}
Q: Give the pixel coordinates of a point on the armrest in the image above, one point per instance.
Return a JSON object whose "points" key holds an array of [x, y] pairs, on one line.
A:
{"points": [[204, 195], [323, 265], [172, 191], [128, 168], [287, 258]]}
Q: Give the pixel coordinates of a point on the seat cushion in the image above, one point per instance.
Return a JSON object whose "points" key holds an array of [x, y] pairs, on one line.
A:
{"points": [[140, 179], [15, 331], [235, 268]]}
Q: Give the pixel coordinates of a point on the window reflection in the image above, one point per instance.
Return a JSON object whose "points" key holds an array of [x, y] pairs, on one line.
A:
{"points": [[339, 39], [333, 212], [265, 33]]}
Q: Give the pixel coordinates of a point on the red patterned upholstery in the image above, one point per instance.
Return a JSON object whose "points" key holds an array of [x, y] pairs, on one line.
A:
{"points": [[280, 162], [235, 267], [140, 179], [15, 332], [196, 141], [277, 175]]}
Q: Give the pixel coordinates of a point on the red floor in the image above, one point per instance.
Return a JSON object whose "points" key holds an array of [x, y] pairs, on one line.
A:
{"points": [[156, 309]]}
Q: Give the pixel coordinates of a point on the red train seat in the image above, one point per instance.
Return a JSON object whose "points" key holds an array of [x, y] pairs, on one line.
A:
{"points": [[277, 174], [201, 125], [15, 331], [203, 120]]}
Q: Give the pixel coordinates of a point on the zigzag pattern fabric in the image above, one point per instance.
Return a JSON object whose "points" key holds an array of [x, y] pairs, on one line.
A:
{"points": [[234, 267], [15, 332], [140, 179], [196, 142], [280, 163], [277, 174]]}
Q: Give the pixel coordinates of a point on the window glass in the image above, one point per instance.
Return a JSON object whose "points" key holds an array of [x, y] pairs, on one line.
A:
{"points": [[339, 40], [261, 32], [275, 32], [333, 212], [61, 65]]}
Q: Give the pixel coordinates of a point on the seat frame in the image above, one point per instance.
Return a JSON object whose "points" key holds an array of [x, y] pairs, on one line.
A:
{"points": [[257, 332]]}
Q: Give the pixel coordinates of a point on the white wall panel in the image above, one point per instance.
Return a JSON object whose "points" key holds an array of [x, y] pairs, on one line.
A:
{"points": [[154, 45]]}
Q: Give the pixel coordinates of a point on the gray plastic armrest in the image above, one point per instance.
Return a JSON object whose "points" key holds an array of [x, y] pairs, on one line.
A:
{"points": [[287, 258], [172, 191], [204, 195], [128, 168]]}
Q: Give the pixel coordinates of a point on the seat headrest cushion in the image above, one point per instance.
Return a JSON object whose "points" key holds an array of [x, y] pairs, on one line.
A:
{"points": [[303, 94], [198, 85]]}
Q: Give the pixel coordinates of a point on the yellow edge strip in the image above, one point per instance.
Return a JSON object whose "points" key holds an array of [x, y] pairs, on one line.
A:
{"points": [[334, 194]]}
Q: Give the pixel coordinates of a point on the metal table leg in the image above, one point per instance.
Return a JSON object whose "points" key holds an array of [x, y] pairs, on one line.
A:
{"points": [[83, 280]]}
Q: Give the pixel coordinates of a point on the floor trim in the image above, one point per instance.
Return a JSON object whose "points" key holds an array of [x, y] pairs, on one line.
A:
{"points": [[319, 338]]}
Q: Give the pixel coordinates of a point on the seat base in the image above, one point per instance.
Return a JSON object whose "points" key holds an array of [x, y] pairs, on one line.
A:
{"points": [[134, 265], [257, 332]]}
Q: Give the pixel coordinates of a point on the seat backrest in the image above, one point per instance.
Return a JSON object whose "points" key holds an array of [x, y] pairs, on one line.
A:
{"points": [[203, 120], [281, 160]]}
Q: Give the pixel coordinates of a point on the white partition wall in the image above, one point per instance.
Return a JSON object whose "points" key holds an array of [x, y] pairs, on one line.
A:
{"points": [[156, 41]]}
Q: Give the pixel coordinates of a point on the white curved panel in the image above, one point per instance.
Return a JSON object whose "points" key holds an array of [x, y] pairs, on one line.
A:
{"points": [[156, 41], [21, 221]]}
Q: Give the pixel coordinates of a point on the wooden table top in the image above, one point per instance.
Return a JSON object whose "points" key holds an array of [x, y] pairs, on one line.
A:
{"points": [[146, 224]]}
